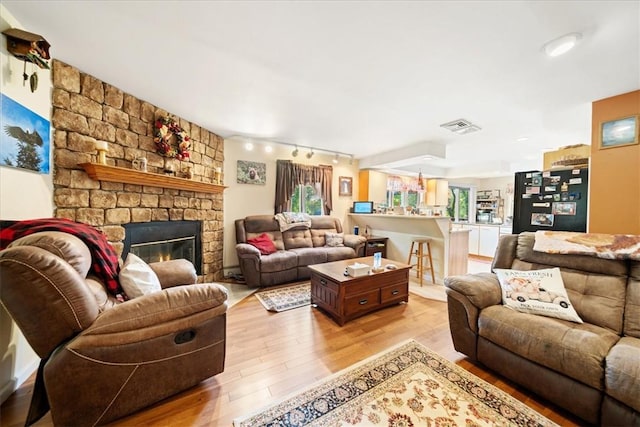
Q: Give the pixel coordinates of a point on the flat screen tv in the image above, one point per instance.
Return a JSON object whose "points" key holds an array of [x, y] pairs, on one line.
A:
{"points": [[362, 207]]}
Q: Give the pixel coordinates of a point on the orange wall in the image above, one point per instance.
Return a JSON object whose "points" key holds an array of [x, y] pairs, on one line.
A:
{"points": [[614, 197]]}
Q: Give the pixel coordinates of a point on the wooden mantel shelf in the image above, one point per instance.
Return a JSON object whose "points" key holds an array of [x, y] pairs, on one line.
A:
{"points": [[102, 172]]}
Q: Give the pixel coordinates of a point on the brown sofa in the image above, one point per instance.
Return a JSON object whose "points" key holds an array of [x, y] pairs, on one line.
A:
{"points": [[591, 369], [297, 249], [103, 359]]}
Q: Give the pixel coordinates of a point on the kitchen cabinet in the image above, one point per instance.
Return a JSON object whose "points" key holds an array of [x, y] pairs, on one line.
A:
{"points": [[372, 186], [483, 239], [488, 240]]}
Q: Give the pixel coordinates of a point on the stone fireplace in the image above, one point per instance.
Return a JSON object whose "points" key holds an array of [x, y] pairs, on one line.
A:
{"points": [[87, 110], [159, 241]]}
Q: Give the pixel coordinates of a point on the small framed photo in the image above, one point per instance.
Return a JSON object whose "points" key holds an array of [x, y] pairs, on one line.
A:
{"points": [[616, 133], [345, 185], [542, 219]]}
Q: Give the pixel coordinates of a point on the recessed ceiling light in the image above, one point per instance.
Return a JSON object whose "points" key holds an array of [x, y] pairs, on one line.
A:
{"points": [[522, 139], [562, 44], [248, 146], [427, 158]]}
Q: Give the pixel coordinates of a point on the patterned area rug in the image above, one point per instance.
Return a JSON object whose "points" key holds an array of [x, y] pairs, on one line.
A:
{"points": [[406, 386], [286, 298]]}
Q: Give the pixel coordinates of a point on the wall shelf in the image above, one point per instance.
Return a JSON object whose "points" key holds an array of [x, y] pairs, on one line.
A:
{"points": [[101, 172]]}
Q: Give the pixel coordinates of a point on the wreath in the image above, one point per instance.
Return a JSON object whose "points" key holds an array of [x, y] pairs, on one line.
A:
{"points": [[164, 129]]}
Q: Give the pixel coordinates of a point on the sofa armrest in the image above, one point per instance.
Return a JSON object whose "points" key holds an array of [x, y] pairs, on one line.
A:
{"points": [[355, 242], [174, 272], [154, 315], [245, 249], [481, 289]]}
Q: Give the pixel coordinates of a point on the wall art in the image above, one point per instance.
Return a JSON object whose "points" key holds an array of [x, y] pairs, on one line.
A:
{"points": [[24, 138], [345, 183], [619, 132], [251, 172]]}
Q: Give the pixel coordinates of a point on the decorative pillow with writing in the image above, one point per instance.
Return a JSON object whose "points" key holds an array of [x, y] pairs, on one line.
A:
{"points": [[334, 239], [263, 243], [137, 278], [539, 292]]}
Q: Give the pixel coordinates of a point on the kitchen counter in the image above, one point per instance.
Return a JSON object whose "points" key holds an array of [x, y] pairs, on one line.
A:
{"points": [[449, 247]]}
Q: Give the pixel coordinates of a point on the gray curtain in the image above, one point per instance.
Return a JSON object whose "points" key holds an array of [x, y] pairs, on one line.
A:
{"points": [[290, 175]]}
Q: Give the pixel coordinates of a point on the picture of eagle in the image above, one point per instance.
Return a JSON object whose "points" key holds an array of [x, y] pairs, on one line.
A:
{"points": [[25, 140], [24, 136], [28, 157]]}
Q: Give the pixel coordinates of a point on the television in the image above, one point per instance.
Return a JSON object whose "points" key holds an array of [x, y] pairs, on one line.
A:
{"points": [[362, 207]]}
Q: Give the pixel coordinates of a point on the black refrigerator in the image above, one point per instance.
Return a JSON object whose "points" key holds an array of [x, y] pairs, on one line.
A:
{"points": [[551, 200]]}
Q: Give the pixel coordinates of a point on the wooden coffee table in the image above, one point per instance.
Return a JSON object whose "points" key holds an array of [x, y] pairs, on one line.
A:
{"points": [[345, 297]]}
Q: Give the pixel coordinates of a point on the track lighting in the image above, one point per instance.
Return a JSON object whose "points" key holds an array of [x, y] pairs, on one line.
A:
{"points": [[294, 153], [335, 159], [310, 154]]}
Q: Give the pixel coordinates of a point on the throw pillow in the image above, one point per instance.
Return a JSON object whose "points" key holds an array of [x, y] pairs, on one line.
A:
{"points": [[333, 239], [263, 243], [137, 278], [539, 292]]}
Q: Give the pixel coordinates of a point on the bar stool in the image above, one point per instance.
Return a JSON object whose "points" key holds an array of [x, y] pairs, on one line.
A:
{"points": [[422, 251]]}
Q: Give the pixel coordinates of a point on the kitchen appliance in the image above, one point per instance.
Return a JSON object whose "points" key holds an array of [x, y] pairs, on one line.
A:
{"points": [[554, 199]]}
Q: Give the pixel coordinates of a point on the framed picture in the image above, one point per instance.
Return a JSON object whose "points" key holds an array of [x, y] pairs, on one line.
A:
{"points": [[251, 172], [564, 208], [24, 138], [542, 219], [345, 185], [616, 133]]}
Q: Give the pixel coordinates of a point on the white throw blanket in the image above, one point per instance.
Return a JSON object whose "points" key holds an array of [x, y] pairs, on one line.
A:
{"points": [[289, 220], [609, 246]]}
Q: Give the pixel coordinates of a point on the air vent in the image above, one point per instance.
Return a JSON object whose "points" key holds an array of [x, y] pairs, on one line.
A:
{"points": [[461, 126]]}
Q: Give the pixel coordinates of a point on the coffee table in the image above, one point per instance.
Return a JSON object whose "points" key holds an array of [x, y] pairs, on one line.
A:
{"points": [[344, 298]]}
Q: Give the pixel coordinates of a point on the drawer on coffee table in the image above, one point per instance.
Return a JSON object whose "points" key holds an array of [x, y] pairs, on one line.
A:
{"points": [[327, 283], [361, 302], [394, 292]]}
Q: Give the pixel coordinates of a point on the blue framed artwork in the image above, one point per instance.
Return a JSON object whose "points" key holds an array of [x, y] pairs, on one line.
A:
{"points": [[619, 132], [24, 137]]}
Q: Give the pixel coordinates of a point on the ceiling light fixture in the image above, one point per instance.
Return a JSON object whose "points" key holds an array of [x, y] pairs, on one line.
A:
{"points": [[522, 139], [335, 159], [561, 45], [294, 153], [248, 146], [268, 148], [351, 159], [310, 154]]}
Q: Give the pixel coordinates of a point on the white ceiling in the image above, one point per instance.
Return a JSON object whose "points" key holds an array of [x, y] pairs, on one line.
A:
{"points": [[372, 79]]}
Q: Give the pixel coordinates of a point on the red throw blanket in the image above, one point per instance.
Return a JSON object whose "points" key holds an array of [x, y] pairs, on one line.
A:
{"points": [[104, 260]]}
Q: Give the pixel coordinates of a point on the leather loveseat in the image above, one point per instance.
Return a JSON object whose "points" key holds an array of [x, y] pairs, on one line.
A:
{"points": [[591, 369], [297, 248], [103, 359]]}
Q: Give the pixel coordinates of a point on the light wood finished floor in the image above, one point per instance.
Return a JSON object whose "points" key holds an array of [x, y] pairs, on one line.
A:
{"points": [[270, 355]]}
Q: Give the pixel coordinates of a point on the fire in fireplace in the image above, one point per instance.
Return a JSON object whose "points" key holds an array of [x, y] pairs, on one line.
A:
{"points": [[164, 240]]}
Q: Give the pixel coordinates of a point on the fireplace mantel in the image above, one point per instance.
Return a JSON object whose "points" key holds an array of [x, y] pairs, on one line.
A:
{"points": [[101, 172]]}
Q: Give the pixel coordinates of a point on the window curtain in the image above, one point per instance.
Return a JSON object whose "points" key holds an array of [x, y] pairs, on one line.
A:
{"points": [[290, 175]]}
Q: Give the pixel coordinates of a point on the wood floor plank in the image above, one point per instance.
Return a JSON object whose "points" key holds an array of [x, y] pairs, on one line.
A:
{"points": [[271, 355]]}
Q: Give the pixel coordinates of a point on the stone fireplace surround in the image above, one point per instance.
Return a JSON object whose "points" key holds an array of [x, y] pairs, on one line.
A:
{"points": [[86, 110]]}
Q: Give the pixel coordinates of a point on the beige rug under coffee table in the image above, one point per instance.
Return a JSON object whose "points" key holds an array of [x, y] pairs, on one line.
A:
{"points": [[344, 297]]}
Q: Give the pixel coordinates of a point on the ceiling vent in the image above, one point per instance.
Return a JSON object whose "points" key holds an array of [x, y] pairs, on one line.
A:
{"points": [[461, 126]]}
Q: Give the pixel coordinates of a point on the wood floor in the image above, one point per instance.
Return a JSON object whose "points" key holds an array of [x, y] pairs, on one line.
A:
{"points": [[270, 355]]}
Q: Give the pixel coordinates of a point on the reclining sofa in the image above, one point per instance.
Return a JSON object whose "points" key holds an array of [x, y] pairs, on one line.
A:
{"points": [[297, 248], [102, 359], [590, 369]]}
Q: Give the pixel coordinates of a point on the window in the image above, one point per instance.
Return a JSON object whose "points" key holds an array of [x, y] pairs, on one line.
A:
{"points": [[458, 207], [307, 199]]}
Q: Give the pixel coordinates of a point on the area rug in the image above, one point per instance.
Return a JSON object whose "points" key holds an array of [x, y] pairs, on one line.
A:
{"points": [[408, 385], [286, 298]]}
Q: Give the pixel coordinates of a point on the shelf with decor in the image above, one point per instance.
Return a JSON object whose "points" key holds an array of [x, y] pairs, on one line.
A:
{"points": [[101, 172], [489, 204]]}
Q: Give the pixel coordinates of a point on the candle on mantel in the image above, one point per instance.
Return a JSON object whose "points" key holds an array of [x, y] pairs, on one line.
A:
{"points": [[101, 148], [218, 175]]}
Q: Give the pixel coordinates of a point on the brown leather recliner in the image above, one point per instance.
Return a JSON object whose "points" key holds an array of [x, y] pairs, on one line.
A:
{"points": [[102, 359]]}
